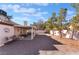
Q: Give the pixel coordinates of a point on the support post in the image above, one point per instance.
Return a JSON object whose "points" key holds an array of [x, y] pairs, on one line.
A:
{"points": [[32, 33]]}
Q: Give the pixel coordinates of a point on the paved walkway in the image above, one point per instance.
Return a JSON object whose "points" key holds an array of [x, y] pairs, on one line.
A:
{"points": [[29, 47]]}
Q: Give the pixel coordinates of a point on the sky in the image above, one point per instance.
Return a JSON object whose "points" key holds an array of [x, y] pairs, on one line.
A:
{"points": [[32, 12]]}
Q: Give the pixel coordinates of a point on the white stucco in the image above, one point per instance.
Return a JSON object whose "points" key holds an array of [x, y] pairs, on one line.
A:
{"points": [[5, 33], [56, 33], [51, 31], [75, 35], [64, 31]]}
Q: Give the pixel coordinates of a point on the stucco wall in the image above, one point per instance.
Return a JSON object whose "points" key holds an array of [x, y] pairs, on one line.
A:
{"points": [[5, 31], [17, 31], [75, 35]]}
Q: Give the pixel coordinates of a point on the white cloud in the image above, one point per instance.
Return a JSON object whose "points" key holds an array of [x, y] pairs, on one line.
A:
{"points": [[37, 4], [26, 12], [70, 12], [43, 18], [38, 15], [10, 7], [3, 7], [41, 4], [20, 20], [19, 9]]}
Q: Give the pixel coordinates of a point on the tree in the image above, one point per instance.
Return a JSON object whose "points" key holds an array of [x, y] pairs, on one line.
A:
{"points": [[61, 19], [51, 22], [40, 24], [49, 25], [57, 22], [76, 6], [75, 20], [74, 24]]}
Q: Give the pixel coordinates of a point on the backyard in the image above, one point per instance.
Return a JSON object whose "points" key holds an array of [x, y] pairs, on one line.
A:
{"points": [[42, 44], [38, 29], [29, 47]]}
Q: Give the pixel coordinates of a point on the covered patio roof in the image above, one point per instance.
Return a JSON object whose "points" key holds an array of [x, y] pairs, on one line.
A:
{"points": [[21, 26], [6, 23]]}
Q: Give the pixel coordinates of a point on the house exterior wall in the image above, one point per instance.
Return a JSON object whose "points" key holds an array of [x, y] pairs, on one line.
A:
{"points": [[16, 31], [5, 31]]}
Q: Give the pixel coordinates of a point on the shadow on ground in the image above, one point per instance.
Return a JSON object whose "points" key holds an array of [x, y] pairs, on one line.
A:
{"points": [[29, 47]]}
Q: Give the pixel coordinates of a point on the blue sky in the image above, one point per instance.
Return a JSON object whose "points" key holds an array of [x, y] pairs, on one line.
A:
{"points": [[33, 12]]}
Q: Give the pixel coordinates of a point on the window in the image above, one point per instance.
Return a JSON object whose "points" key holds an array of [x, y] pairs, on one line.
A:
{"points": [[7, 30]]}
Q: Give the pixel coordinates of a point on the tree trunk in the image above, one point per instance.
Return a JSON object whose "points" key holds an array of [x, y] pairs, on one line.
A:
{"points": [[72, 34], [61, 31], [53, 33], [60, 34]]}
